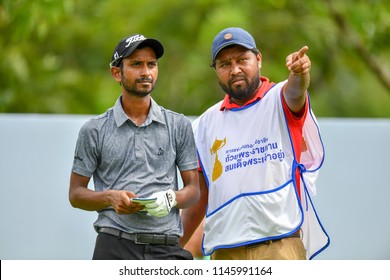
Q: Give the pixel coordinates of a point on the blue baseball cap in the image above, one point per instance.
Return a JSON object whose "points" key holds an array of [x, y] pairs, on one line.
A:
{"points": [[232, 36]]}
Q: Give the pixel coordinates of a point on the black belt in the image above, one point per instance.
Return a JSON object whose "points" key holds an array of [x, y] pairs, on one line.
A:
{"points": [[294, 235], [142, 238]]}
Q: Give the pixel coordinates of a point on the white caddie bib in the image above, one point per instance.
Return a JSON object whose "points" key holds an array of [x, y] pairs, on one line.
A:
{"points": [[250, 168]]}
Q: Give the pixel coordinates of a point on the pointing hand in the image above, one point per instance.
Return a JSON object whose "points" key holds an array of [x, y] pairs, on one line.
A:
{"points": [[298, 63]]}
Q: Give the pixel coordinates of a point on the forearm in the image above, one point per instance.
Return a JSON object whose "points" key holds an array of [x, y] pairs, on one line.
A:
{"points": [[295, 89], [194, 215], [191, 219], [297, 85], [89, 200], [187, 196], [190, 193], [82, 197]]}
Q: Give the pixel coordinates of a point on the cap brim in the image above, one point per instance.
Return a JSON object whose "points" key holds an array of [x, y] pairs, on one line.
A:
{"points": [[154, 44], [230, 44]]}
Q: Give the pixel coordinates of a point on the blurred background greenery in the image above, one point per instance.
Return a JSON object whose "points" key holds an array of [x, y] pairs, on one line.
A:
{"points": [[54, 54]]}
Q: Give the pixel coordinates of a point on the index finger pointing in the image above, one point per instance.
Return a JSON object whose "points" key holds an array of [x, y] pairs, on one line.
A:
{"points": [[302, 51]]}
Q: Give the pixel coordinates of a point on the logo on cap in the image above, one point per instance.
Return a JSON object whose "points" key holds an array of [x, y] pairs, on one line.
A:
{"points": [[228, 36], [133, 39], [116, 55]]}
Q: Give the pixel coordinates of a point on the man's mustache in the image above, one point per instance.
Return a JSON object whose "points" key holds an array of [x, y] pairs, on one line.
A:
{"points": [[143, 80], [237, 78]]}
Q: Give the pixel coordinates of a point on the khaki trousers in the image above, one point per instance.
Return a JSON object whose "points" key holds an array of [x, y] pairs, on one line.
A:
{"points": [[282, 249]]}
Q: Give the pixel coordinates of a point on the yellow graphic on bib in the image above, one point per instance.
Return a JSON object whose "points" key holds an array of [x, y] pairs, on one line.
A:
{"points": [[217, 169]]}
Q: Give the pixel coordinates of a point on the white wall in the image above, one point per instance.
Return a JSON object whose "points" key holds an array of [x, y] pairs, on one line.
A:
{"points": [[37, 221]]}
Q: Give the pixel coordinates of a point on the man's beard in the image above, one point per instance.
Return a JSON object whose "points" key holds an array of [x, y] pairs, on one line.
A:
{"points": [[241, 93], [136, 91]]}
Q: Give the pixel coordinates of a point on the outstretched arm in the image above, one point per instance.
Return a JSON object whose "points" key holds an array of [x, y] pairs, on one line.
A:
{"points": [[299, 64]]}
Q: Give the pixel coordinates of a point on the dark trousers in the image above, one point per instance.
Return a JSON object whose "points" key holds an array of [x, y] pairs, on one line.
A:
{"points": [[108, 247]]}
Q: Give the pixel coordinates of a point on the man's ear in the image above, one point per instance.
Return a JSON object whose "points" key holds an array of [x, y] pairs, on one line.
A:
{"points": [[258, 56], [116, 73]]}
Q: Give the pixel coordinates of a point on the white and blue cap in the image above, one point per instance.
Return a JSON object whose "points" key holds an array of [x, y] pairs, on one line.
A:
{"points": [[232, 36], [127, 46]]}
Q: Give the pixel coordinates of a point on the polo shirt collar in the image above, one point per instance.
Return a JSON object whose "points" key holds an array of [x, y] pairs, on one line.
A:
{"points": [[265, 86], [155, 113], [120, 116]]}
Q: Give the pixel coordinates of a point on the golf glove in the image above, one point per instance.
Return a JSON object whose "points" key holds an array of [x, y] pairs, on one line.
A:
{"points": [[165, 201]]}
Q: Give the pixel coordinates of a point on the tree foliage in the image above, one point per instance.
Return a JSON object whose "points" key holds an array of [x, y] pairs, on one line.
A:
{"points": [[54, 54]]}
